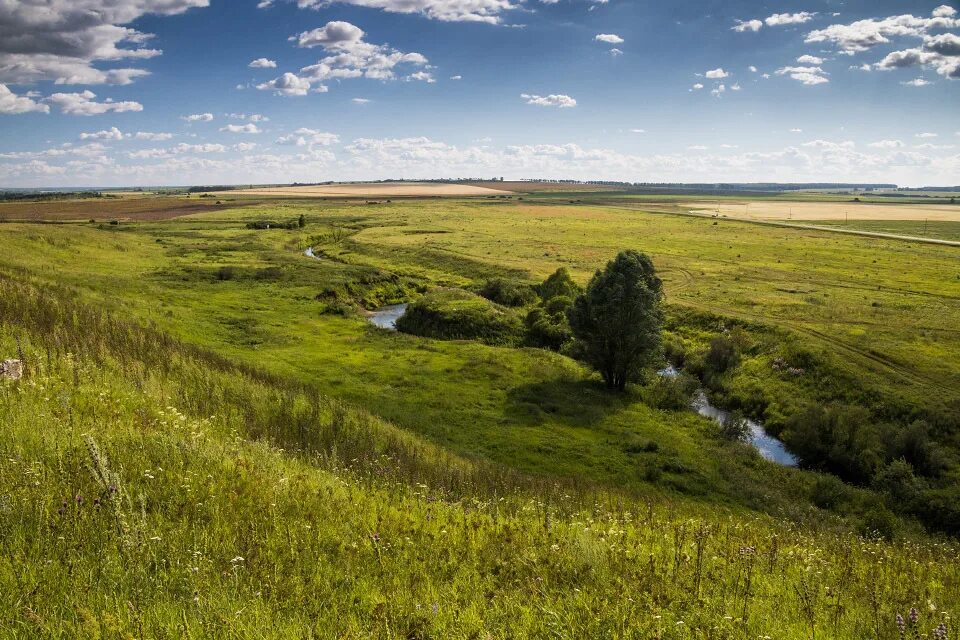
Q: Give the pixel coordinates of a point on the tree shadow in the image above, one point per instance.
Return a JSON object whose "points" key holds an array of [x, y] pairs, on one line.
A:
{"points": [[574, 402]]}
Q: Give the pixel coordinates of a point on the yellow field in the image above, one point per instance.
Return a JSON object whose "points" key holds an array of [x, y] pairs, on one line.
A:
{"points": [[373, 190], [812, 211]]}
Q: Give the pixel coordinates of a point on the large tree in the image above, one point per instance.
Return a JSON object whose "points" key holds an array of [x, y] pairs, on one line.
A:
{"points": [[617, 321]]}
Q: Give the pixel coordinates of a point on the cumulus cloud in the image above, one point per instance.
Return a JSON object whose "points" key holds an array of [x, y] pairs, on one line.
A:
{"points": [[925, 135], [782, 19], [716, 74], [262, 63], [84, 104], [289, 84], [863, 35], [109, 134], [808, 59], [306, 137], [553, 100], [11, 103], [806, 75], [916, 82], [149, 135], [198, 117], [609, 38], [748, 25], [62, 40], [489, 11], [241, 128], [697, 87], [886, 144], [456, 77], [349, 56]]}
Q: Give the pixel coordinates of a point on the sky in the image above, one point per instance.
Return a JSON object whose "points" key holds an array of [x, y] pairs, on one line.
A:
{"points": [[187, 92]]}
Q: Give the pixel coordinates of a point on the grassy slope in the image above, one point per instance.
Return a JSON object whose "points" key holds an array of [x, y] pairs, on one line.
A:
{"points": [[525, 408], [145, 496]]}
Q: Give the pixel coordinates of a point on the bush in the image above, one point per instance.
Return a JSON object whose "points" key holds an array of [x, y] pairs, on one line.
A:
{"points": [[829, 492], [722, 355], [735, 427], [547, 330], [559, 284], [225, 273], [671, 393], [508, 293], [454, 314]]}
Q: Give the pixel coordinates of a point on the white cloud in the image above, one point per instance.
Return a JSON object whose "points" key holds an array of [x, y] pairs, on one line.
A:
{"points": [[289, 84], [716, 74], [782, 19], [808, 59], [83, 104], [262, 63], [796, 130], [360, 101], [62, 40], [553, 100], [616, 52], [307, 137], [349, 57], [609, 38], [421, 76], [697, 147], [241, 128], [753, 69], [886, 144], [916, 82], [11, 103], [806, 75], [697, 87], [488, 11], [719, 90], [148, 135], [243, 147], [944, 11], [456, 77], [747, 25], [198, 117], [638, 130], [933, 147], [863, 35], [109, 134], [925, 135]]}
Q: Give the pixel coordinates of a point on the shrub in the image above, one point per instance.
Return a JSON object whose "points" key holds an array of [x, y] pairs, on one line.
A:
{"points": [[454, 314], [547, 330], [559, 284], [722, 355], [225, 273], [671, 393], [735, 427], [508, 292]]}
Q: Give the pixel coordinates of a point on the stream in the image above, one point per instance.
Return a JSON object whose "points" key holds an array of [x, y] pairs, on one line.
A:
{"points": [[769, 447]]}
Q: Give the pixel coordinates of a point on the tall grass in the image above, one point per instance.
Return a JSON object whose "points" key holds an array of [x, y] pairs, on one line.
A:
{"points": [[149, 489]]}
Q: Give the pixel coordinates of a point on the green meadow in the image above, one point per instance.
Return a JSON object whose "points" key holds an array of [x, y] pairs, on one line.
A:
{"points": [[267, 462]]}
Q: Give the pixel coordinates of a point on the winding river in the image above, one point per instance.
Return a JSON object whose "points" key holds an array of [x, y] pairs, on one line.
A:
{"points": [[766, 445]]}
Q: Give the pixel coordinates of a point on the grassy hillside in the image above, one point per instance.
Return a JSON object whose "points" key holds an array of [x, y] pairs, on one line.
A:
{"points": [[154, 489]]}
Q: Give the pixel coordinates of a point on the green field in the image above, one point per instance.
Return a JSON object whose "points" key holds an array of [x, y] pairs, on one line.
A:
{"points": [[875, 323]]}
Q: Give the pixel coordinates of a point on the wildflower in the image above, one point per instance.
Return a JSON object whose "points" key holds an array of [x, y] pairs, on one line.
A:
{"points": [[901, 625], [940, 633], [237, 559], [79, 499], [914, 615]]}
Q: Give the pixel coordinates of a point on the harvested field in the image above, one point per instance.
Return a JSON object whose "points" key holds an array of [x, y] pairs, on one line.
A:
{"points": [[372, 190], [104, 209], [813, 211]]}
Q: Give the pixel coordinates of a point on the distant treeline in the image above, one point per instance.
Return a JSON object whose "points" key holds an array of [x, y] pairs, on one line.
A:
{"points": [[17, 196]]}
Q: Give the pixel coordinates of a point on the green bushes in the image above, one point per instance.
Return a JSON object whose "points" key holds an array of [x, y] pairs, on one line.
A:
{"points": [[455, 314], [670, 393], [508, 292]]}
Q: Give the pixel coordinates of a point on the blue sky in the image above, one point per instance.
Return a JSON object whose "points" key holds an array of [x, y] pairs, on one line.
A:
{"points": [[97, 93]]}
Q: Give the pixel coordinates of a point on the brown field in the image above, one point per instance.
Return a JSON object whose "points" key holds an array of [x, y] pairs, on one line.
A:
{"points": [[372, 190], [545, 187], [104, 209], [813, 211]]}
